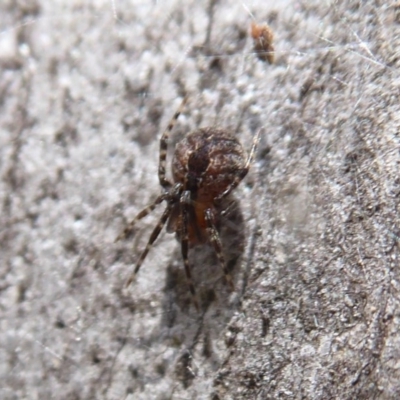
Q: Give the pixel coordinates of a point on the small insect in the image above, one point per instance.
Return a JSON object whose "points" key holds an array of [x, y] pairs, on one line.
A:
{"points": [[207, 165], [263, 36]]}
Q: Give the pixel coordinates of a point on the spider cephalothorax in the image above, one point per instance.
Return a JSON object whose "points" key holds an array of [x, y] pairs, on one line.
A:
{"points": [[207, 165]]}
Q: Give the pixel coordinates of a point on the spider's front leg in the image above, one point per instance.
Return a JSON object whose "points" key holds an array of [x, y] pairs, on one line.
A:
{"points": [[146, 211], [185, 201], [215, 241], [153, 237]]}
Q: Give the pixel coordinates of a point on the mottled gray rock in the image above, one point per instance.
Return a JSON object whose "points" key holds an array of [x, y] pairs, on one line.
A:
{"points": [[85, 92]]}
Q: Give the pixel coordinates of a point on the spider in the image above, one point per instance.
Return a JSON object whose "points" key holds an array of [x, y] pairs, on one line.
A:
{"points": [[207, 165]]}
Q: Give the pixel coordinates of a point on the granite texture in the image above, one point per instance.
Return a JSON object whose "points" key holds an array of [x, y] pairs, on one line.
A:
{"points": [[86, 89]]}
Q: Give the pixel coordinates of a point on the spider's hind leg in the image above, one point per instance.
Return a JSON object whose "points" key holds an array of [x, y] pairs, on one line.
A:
{"points": [[242, 173], [164, 182]]}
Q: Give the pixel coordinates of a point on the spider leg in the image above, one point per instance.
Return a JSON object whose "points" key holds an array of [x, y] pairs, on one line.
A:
{"points": [[153, 237], [164, 182], [128, 230], [184, 202], [242, 173], [216, 243]]}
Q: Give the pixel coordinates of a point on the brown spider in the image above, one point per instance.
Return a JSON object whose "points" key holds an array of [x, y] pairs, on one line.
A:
{"points": [[207, 165]]}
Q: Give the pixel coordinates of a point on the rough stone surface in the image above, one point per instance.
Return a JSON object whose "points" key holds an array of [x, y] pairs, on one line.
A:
{"points": [[86, 89]]}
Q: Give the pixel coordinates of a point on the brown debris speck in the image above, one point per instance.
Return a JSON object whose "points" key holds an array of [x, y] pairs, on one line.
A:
{"points": [[263, 37]]}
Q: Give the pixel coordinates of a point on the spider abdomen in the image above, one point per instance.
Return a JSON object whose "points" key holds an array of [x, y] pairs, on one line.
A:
{"points": [[207, 161]]}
